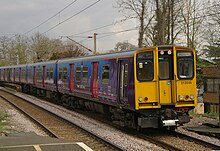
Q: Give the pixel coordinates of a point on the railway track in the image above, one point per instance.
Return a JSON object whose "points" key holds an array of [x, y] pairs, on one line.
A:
{"points": [[164, 144], [198, 141], [56, 126], [176, 136]]}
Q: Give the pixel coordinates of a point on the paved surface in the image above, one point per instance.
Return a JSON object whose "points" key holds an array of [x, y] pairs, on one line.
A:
{"points": [[33, 142], [205, 128]]}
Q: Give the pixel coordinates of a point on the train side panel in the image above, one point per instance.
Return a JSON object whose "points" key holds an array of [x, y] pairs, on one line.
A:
{"points": [[98, 80]]}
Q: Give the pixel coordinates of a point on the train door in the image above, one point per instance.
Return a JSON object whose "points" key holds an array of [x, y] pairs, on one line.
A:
{"points": [[123, 81], [166, 75], [71, 78], [19, 73], [34, 76], [44, 76], [14, 72], [8, 74], [4, 74], [95, 79]]}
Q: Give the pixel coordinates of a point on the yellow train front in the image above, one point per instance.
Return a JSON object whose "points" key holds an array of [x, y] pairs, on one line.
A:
{"points": [[165, 85]]}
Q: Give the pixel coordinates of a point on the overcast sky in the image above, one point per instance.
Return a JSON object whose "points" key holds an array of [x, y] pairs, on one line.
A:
{"points": [[19, 16]]}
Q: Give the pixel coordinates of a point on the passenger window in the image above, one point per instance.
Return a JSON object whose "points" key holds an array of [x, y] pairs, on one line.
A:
{"points": [[85, 73], [51, 73], [39, 73], [60, 73], [48, 74], [65, 73], [105, 74], [78, 73]]}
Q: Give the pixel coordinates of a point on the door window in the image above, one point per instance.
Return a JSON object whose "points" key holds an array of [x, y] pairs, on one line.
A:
{"points": [[164, 68], [105, 74]]}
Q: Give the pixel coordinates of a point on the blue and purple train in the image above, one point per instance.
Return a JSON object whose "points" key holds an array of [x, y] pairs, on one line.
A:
{"points": [[146, 88]]}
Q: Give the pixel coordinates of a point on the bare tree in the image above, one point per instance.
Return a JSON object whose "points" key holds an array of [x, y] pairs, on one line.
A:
{"points": [[164, 27], [138, 9], [211, 50], [4, 49], [13, 51], [191, 21], [69, 49], [123, 46], [157, 19], [43, 47]]}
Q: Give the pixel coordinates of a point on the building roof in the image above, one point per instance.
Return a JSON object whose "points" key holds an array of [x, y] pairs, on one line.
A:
{"points": [[212, 72]]}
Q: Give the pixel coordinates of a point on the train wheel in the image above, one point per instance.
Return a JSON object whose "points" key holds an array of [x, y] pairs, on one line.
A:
{"points": [[171, 128], [139, 129]]}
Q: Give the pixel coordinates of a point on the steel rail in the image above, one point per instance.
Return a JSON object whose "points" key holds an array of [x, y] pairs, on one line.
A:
{"points": [[45, 129], [111, 144], [196, 140]]}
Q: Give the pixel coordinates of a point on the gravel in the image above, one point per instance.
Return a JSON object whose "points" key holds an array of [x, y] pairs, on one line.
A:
{"points": [[198, 121], [17, 122]]}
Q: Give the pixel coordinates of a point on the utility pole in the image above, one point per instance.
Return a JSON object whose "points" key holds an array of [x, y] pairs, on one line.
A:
{"points": [[95, 34]]}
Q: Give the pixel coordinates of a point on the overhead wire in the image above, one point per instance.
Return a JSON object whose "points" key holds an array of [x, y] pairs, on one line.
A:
{"points": [[72, 16], [107, 34], [111, 24], [50, 18], [83, 11]]}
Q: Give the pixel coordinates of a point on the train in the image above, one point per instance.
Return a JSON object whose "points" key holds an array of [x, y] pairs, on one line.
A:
{"points": [[152, 87]]}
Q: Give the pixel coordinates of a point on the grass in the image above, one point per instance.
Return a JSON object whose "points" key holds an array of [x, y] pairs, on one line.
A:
{"points": [[3, 117], [210, 115]]}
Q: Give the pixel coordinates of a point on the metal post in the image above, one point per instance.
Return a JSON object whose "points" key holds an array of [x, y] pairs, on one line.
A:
{"points": [[95, 43], [219, 105]]}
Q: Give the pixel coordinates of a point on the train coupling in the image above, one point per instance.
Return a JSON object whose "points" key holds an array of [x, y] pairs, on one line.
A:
{"points": [[170, 122]]}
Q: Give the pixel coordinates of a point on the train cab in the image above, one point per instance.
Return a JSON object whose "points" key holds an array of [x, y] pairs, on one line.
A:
{"points": [[165, 79]]}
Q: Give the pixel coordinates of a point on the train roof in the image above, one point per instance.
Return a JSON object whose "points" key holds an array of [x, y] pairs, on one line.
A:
{"points": [[120, 54], [13, 66], [100, 56], [43, 63]]}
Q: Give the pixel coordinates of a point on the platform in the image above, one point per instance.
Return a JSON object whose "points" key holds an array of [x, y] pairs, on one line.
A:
{"points": [[204, 130], [33, 142], [208, 129]]}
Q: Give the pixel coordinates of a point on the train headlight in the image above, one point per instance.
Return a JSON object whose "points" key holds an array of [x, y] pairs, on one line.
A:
{"points": [[169, 52], [140, 99], [191, 96], [181, 97]]}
